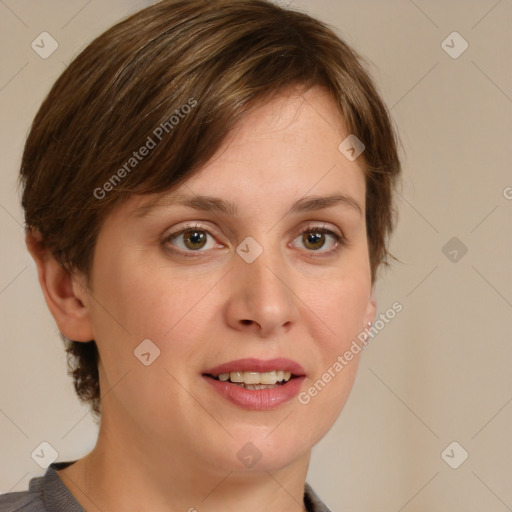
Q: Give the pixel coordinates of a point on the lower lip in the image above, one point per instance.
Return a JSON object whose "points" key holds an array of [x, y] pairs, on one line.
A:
{"points": [[258, 399]]}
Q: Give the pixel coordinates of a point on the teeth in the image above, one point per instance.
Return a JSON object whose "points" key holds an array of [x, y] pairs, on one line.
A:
{"points": [[254, 378], [267, 378], [236, 376]]}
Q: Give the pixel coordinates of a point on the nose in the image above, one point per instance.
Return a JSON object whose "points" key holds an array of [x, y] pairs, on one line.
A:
{"points": [[261, 299]]}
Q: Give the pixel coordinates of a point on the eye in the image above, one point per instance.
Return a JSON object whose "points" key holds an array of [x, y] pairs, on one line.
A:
{"points": [[192, 239], [317, 237]]}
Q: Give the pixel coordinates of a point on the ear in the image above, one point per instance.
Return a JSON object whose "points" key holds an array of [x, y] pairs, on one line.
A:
{"points": [[65, 293], [371, 310]]}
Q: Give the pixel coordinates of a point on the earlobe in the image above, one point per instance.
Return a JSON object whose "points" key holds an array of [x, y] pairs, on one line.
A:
{"points": [[371, 310], [65, 296]]}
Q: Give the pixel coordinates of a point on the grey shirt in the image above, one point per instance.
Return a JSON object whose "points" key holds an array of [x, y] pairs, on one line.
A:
{"points": [[48, 493]]}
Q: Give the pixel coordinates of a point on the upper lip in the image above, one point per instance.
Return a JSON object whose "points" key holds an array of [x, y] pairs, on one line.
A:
{"points": [[258, 365]]}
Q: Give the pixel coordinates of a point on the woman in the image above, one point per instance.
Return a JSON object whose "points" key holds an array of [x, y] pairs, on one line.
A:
{"points": [[208, 191]]}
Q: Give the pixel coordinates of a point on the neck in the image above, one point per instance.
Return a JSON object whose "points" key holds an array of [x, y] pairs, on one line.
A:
{"points": [[127, 472]]}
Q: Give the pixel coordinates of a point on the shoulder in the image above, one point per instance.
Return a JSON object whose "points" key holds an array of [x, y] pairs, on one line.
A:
{"points": [[45, 493], [26, 501]]}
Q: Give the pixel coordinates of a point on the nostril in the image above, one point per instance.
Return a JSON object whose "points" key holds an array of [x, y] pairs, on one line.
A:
{"points": [[247, 322]]}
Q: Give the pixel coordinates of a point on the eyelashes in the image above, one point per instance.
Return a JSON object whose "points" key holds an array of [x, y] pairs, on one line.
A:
{"points": [[194, 239], [319, 236]]}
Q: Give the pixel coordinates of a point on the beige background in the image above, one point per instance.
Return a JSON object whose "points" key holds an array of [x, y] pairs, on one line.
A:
{"points": [[440, 371]]}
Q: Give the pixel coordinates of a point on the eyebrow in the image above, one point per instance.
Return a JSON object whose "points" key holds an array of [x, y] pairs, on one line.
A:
{"points": [[217, 205]]}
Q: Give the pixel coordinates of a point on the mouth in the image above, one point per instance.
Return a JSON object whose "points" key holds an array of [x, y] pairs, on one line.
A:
{"points": [[257, 384]]}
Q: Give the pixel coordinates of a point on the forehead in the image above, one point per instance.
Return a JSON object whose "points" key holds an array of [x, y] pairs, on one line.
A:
{"points": [[282, 150], [289, 146]]}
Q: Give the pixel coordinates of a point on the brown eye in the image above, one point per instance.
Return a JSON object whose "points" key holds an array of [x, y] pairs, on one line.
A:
{"points": [[313, 240], [316, 238], [194, 239], [191, 239]]}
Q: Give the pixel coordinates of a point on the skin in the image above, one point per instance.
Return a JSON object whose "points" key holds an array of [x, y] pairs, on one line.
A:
{"points": [[167, 440]]}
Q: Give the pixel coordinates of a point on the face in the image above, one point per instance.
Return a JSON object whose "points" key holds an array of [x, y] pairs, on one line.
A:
{"points": [[259, 262]]}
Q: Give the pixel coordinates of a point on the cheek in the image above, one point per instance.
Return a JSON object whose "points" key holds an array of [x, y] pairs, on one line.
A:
{"points": [[140, 301], [335, 316], [144, 297], [337, 312]]}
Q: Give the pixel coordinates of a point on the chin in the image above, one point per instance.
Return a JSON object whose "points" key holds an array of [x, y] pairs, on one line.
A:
{"points": [[272, 451]]}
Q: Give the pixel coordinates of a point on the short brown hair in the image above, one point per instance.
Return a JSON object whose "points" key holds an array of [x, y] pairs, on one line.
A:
{"points": [[227, 56]]}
